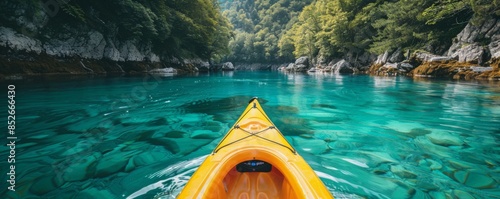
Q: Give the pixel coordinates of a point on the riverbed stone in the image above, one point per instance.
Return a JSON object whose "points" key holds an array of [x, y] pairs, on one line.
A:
{"points": [[428, 147], [204, 134], [403, 172], [378, 158], [431, 164], [403, 192], [43, 134], [444, 138], [212, 126], [94, 193], [112, 162], [460, 176], [175, 134], [78, 170], [462, 194], [339, 145], [475, 179], [480, 181], [437, 195], [43, 185], [457, 164], [314, 146], [404, 127]]}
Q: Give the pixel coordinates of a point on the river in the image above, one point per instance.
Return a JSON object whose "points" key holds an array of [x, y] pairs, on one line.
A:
{"points": [[365, 136]]}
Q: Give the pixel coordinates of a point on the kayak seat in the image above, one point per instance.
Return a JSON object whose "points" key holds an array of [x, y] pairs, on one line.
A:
{"points": [[260, 185]]}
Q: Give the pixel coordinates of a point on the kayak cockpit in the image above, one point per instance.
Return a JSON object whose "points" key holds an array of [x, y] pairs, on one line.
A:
{"points": [[255, 179]]}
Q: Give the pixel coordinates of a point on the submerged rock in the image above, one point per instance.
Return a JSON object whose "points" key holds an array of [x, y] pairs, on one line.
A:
{"points": [[404, 127], [377, 158], [44, 184], [112, 162], [474, 179], [462, 195], [313, 146], [445, 139], [94, 193], [148, 158], [204, 134], [437, 195], [431, 164], [175, 134], [327, 106], [78, 170], [403, 172]]}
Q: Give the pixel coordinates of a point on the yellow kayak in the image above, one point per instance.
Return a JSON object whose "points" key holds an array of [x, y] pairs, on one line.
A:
{"points": [[254, 160]]}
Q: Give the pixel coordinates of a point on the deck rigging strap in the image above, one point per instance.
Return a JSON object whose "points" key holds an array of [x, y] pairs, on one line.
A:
{"points": [[254, 133]]}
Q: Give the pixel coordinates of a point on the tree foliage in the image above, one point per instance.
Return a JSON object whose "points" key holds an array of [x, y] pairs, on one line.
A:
{"points": [[336, 28], [259, 25], [193, 28]]}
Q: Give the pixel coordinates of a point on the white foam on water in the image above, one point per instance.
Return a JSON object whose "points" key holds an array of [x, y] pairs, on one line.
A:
{"points": [[172, 185], [356, 162]]}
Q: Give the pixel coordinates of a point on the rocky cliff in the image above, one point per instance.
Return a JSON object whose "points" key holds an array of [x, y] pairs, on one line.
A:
{"points": [[89, 37], [81, 52], [474, 54]]}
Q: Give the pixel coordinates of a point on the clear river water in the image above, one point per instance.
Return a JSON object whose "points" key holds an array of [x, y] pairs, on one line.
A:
{"points": [[143, 137]]}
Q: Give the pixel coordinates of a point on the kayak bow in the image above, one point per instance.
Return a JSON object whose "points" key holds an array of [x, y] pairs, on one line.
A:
{"points": [[254, 160]]}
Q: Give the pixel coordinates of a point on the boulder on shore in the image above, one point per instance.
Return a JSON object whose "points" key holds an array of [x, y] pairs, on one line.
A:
{"points": [[304, 60], [163, 70], [341, 67], [228, 66]]}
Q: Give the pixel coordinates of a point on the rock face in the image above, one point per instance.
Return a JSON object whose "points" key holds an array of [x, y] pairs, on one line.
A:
{"points": [[88, 45], [474, 48], [14, 40], [468, 47], [397, 56], [83, 51]]}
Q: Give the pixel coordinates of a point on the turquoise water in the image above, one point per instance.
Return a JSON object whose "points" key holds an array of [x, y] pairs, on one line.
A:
{"points": [[366, 137]]}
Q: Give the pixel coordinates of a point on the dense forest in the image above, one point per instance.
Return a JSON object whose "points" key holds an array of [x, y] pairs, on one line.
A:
{"points": [[259, 25], [186, 29], [281, 30], [262, 31]]}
